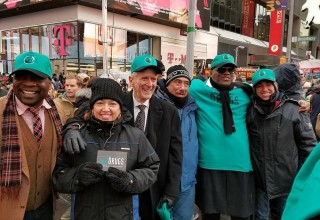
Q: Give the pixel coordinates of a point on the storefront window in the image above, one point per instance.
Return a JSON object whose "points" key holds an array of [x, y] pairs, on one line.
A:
{"points": [[132, 45], [45, 40], [144, 44], [9, 48], [25, 42], [118, 50], [262, 23], [226, 15], [34, 34], [76, 46]]}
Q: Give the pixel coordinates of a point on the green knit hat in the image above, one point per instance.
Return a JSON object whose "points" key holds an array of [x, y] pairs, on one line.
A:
{"points": [[33, 62]]}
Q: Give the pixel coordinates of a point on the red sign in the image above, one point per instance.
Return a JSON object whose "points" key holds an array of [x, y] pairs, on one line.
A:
{"points": [[275, 36], [62, 34], [171, 58], [247, 17]]}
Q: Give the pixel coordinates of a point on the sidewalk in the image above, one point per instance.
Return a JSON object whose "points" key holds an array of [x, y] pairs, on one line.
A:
{"points": [[62, 204]]}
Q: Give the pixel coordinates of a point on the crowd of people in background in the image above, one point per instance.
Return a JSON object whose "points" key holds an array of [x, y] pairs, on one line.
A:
{"points": [[159, 144]]}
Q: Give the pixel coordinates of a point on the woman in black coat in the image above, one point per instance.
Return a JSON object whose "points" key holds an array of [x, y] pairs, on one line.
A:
{"points": [[117, 162]]}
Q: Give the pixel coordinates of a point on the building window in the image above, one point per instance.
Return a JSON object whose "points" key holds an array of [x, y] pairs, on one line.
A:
{"points": [[262, 23], [226, 14], [75, 46]]}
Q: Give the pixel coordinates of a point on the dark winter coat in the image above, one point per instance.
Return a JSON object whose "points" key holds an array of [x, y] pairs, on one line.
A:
{"points": [[279, 142], [189, 136], [314, 105], [100, 201], [164, 134]]}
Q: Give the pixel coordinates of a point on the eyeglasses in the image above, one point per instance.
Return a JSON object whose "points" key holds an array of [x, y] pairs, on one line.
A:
{"points": [[222, 70]]}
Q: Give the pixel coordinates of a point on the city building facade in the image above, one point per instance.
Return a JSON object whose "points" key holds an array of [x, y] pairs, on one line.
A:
{"points": [[70, 32]]}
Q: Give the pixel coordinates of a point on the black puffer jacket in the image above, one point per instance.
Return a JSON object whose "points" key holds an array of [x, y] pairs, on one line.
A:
{"points": [[100, 201], [279, 143]]}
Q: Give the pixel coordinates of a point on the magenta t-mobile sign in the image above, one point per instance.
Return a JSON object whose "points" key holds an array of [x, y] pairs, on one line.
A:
{"points": [[62, 34]]}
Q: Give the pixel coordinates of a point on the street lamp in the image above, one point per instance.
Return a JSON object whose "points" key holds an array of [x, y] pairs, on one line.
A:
{"points": [[104, 35], [237, 53]]}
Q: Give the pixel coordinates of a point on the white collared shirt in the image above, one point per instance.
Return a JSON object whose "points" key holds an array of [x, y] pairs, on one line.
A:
{"points": [[28, 116]]}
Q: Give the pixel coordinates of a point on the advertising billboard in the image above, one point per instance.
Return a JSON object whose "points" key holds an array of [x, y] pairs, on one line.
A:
{"points": [[9, 4], [172, 10], [276, 4], [247, 17]]}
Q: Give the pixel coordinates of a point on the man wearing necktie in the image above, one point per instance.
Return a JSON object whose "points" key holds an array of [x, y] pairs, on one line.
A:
{"points": [[162, 128], [30, 140]]}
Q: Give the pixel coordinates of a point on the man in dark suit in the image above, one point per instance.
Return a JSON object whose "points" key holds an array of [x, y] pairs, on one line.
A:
{"points": [[162, 128]]}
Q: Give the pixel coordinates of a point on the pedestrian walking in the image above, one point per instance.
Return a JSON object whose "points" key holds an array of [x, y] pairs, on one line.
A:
{"points": [[280, 139], [30, 140], [117, 162]]}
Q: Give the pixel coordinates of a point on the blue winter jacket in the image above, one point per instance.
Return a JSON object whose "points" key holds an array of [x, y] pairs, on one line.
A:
{"points": [[189, 137]]}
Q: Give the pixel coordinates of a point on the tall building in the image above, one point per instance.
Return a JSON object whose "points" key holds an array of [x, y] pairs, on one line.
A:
{"points": [[70, 32]]}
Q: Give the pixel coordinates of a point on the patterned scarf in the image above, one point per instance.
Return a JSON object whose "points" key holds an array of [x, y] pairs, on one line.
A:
{"points": [[10, 161]]}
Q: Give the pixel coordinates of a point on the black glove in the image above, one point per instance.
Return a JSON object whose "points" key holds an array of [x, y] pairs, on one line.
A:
{"points": [[73, 141], [89, 173], [120, 181], [166, 199]]}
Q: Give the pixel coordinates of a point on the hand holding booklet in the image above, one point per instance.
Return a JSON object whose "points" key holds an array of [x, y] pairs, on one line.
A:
{"points": [[116, 159]]}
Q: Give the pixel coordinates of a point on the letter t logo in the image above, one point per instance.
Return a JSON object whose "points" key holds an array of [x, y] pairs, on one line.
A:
{"points": [[62, 33]]}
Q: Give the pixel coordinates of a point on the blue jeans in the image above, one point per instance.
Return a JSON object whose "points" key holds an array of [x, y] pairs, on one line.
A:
{"points": [[183, 207], [135, 203], [264, 205], [73, 195]]}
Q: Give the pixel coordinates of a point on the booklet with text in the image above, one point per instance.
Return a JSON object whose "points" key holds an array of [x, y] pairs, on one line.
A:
{"points": [[116, 159]]}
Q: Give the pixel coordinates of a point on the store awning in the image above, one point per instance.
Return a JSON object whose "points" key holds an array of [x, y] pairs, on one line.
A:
{"points": [[257, 42], [244, 40], [230, 35]]}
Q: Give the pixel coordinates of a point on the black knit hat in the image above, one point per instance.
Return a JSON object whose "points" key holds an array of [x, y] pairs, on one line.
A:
{"points": [[160, 65], [104, 88], [175, 72]]}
